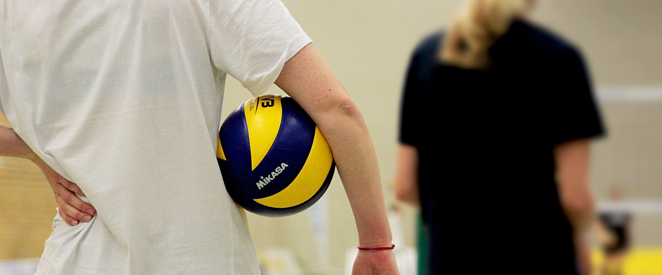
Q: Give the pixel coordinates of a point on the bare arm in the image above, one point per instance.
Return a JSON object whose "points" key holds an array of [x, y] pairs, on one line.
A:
{"points": [[309, 80], [11, 145], [72, 209], [584, 257], [572, 163], [406, 175]]}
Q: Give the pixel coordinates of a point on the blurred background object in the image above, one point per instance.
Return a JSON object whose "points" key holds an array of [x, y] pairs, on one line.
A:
{"points": [[368, 43]]}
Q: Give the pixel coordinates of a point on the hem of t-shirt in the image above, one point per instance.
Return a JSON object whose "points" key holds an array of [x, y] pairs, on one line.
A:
{"points": [[296, 44], [588, 135], [405, 142]]}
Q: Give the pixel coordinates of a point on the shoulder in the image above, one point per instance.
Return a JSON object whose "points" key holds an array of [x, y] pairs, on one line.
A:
{"points": [[546, 41], [427, 48], [424, 57], [430, 43]]}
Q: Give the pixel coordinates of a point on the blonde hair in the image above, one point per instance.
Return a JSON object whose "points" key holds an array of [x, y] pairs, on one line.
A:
{"points": [[475, 29]]}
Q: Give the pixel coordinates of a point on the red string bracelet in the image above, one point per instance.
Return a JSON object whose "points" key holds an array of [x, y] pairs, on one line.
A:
{"points": [[378, 248]]}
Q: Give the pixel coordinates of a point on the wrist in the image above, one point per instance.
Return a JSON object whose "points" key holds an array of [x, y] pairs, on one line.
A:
{"points": [[376, 242], [377, 248], [34, 158], [375, 234]]}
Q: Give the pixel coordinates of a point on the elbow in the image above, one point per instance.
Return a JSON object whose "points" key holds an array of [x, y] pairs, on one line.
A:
{"points": [[340, 105], [406, 193], [407, 198], [345, 107], [339, 115], [578, 206], [402, 194]]}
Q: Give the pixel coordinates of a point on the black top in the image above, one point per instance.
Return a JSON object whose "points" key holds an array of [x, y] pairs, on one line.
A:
{"points": [[485, 140]]}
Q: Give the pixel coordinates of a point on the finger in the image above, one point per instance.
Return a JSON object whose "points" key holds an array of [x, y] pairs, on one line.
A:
{"points": [[74, 215], [68, 219], [71, 199], [71, 186]]}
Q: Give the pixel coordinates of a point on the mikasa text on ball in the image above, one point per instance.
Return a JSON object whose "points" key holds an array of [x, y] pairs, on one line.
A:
{"points": [[274, 159]]}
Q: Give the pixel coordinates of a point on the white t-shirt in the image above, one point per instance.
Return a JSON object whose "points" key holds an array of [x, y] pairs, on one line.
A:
{"points": [[123, 97]]}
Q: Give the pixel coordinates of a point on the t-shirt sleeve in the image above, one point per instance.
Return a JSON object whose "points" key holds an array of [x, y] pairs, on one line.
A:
{"points": [[410, 116], [252, 39], [576, 113]]}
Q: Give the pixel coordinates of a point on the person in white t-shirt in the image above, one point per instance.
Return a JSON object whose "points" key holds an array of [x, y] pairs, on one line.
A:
{"points": [[119, 103]]}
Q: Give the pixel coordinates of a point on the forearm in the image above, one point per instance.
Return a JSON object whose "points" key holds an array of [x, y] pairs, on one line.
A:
{"points": [[11, 145], [584, 257], [70, 207], [311, 82], [580, 220], [406, 184], [576, 196], [580, 213], [356, 160]]}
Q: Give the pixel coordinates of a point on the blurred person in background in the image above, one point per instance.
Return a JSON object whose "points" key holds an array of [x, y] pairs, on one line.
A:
{"points": [[613, 228], [496, 118]]}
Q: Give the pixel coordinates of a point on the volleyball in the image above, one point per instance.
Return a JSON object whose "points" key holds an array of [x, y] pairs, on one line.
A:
{"points": [[273, 158]]}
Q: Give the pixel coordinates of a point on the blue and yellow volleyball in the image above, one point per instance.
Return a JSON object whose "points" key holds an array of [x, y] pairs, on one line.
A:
{"points": [[274, 159]]}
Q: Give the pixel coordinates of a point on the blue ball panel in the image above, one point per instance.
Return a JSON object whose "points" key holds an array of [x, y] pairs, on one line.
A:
{"points": [[234, 137]]}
